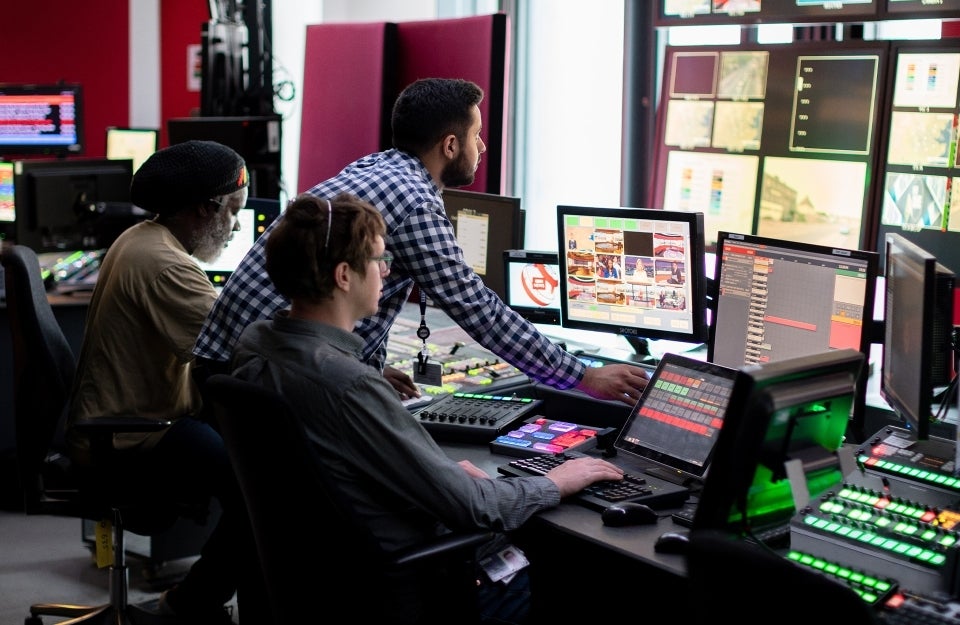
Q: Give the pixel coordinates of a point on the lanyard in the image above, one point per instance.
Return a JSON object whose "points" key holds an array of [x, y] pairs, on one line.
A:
{"points": [[423, 332]]}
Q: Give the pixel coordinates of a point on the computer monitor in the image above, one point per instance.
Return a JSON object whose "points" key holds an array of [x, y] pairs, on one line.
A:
{"points": [[785, 416], [636, 272], [918, 350], [41, 119], [532, 285], [778, 299], [254, 219], [73, 204], [486, 224], [8, 213], [136, 144]]}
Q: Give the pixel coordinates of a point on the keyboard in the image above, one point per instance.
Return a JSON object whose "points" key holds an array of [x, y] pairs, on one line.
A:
{"points": [[641, 488]]}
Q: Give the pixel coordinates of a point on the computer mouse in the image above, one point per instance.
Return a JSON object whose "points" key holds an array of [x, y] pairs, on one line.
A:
{"points": [[672, 542], [628, 513]]}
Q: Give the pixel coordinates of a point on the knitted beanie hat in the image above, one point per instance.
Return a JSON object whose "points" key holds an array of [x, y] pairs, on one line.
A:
{"points": [[185, 174]]}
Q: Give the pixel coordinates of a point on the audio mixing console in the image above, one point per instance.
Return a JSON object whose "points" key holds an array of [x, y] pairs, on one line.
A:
{"points": [[466, 366], [474, 417]]}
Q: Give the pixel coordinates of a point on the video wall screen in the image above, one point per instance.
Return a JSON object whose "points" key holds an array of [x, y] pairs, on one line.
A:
{"points": [[697, 12], [763, 140], [920, 180]]}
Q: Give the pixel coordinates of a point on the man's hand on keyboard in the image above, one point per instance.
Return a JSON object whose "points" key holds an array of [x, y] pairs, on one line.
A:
{"points": [[623, 383], [577, 473]]}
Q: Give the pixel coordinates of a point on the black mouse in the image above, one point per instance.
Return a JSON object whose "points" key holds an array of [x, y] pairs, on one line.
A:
{"points": [[628, 513], [672, 542]]}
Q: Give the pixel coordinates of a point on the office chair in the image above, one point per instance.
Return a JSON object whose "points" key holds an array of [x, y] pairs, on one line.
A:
{"points": [[44, 367], [296, 514], [736, 580]]}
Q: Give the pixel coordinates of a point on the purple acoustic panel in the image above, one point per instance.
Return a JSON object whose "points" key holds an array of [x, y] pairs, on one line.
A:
{"points": [[473, 48], [348, 91]]}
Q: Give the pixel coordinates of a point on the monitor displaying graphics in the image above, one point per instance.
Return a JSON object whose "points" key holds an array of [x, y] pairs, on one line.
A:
{"points": [[532, 285], [678, 419], [749, 136], [486, 224], [704, 12], [254, 219], [918, 353], [636, 272], [41, 119], [136, 144], [919, 179], [7, 212], [779, 299]]}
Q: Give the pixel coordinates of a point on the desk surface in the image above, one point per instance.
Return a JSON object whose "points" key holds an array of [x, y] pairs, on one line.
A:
{"points": [[634, 542]]}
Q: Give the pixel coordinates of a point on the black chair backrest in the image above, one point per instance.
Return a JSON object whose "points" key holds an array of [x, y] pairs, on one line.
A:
{"points": [[44, 367], [739, 581], [293, 513]]}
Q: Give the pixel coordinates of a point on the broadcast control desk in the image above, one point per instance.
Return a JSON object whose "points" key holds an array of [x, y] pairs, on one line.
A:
{"points": [[582, 568]]}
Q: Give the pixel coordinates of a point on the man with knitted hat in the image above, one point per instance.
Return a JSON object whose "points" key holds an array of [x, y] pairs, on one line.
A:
{"points": [[150, 299]]}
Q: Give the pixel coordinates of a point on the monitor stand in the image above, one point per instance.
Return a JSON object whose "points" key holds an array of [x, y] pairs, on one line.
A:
{"points": [[674, 477], [641, 350]]}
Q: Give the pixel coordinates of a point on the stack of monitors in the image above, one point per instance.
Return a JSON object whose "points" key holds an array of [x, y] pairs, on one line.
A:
{"points": [[753, 137]]}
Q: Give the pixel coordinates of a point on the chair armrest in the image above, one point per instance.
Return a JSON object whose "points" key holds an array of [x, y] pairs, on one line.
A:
{"points": [[104, 425], [442, 546]]}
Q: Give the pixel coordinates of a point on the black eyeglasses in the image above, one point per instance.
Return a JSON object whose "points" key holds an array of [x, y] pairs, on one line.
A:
{"points": [[383, 263]]}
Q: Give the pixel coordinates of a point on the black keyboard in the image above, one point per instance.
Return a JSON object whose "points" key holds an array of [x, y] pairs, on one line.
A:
{"points": [[641, 488]]}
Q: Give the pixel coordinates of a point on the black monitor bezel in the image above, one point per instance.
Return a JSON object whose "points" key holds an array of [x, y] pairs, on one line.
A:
{"points": [[543, 316], [872, 260], [266, 210], [760, 392], [917, 414], [154, 133], [696, 273], [505, 207], [27, 173], [60, 149]]}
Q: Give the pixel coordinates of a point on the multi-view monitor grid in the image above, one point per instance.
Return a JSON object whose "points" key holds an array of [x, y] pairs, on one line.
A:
{"points": [[763, 140], [703, 12], [920, 195]]}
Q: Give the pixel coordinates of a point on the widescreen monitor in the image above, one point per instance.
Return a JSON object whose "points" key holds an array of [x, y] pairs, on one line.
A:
{"points": [[778, 299], [636, 272], [532, 285], [486, 224], [136, 144], [72, 204], [791, 410], [254, 219], [41, 119], [918, 351]]}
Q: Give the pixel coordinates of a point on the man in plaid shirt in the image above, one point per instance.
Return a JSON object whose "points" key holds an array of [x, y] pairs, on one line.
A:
{"points": [[436, 136]]}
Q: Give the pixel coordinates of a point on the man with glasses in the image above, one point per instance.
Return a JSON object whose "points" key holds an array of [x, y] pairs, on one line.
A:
{"points": [[436, 137], [150, 299], [327, 257]]}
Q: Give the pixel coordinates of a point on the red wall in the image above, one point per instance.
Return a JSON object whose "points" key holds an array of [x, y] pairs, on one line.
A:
{"points": [[180, 26], [52, 40], [77, 43]]}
